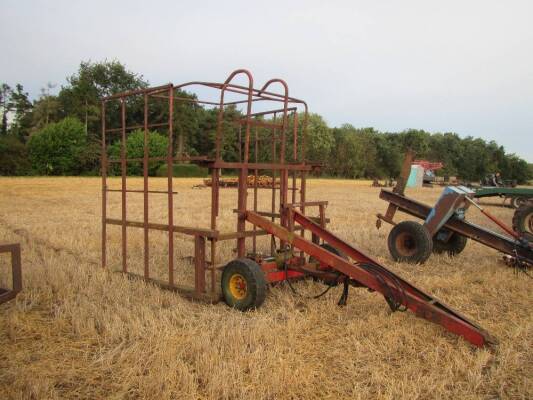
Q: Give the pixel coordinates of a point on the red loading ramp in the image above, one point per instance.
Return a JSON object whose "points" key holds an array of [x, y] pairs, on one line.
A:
{"points": [[364, 271]]}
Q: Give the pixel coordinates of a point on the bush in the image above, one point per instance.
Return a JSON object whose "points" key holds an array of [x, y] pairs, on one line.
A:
{"points": [[14, 156], [58, 149], [183, 171], [158, 147]]}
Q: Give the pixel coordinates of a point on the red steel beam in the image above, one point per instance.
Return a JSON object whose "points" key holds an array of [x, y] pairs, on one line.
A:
{"points": [[414, 299]]}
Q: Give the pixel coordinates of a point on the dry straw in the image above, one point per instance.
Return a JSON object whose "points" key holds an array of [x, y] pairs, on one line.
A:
{"points": [[79, 332]]}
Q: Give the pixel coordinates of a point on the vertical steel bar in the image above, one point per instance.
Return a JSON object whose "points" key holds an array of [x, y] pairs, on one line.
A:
{"points": [[213, 266], [256, 176], [284, 174], [170, 171], [240, 143], [123, 156], [303, 159], [16, 262], [273, 205], [294, 153], [145, 194], [199, 264], [243, 184], [104, 189], [401, 183]]}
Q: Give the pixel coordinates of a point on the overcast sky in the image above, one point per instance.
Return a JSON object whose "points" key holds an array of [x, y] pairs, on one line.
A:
{"points": [[461, 66]]}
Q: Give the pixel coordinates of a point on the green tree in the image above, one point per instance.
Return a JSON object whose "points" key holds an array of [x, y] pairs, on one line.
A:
{"points": [[320, 141], [58, 149], [81, 97], [157, 146], [45, 110], [23, 113], [14, 156], [6, 105]]}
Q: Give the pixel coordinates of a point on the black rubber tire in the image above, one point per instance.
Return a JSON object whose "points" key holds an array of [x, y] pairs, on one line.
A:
{"points": [[517, 202], [455, 244], [410, 242], [523, 221], [256, 285]]}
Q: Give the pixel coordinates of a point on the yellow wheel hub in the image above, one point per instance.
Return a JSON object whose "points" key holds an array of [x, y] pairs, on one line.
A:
{"points": [[237, 286]]}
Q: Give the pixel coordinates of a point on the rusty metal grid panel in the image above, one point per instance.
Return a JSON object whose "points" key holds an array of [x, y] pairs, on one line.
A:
{"points": [[250, 124]]}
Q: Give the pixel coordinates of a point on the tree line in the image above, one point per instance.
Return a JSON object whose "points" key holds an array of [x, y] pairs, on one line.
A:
{"points": [[59, 134]]}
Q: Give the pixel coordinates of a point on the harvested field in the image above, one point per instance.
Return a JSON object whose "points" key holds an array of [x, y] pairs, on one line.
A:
{"points": [[79, 332]]}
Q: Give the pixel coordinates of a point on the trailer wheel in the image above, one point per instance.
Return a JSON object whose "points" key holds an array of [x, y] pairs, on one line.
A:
{"points": [[410, 242], [455, 244], [523, 222], [243, 284], [517, 202]]}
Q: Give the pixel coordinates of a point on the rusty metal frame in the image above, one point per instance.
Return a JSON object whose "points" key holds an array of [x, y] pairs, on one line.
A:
{"points": [[285, 220], [248, 123], [16, 268]]}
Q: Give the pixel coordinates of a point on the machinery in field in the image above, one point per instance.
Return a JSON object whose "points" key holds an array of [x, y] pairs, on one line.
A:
{"points": [[16, 272], [517, 196], [445, 228], [276, 242], [429, 170], [523, 221]]}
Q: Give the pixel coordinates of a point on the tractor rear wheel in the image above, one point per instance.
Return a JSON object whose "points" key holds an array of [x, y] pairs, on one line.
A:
{"points": [[517, 202], [410, 242], [455, 244], [243, 284], [523, 221]]}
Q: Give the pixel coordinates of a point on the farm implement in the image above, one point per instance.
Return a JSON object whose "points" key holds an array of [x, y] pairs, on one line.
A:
{"points": [[445, 228], [275, 243], [516, 196]]}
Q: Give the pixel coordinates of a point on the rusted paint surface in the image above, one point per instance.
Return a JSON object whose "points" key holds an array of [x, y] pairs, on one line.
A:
{"points": [[422, 304], [286, 222], [277, 110], [7, 294]]}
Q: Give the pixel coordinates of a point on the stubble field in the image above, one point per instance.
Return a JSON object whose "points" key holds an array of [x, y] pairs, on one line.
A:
{"points": [[77, 331]]}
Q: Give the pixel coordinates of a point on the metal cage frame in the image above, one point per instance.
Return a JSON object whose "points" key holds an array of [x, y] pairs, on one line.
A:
{"points": [[297, 169]]}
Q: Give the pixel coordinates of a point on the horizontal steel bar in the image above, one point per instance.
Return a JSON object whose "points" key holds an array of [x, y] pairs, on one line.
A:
{"points": [[185, 291], [178, 158], [261, 124], [140, 191], [308, 204], [132, 127], [277, 215], [279, 110], [149, 91], [258, 166], [164, 227], [231, 87], [236, 235]]}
